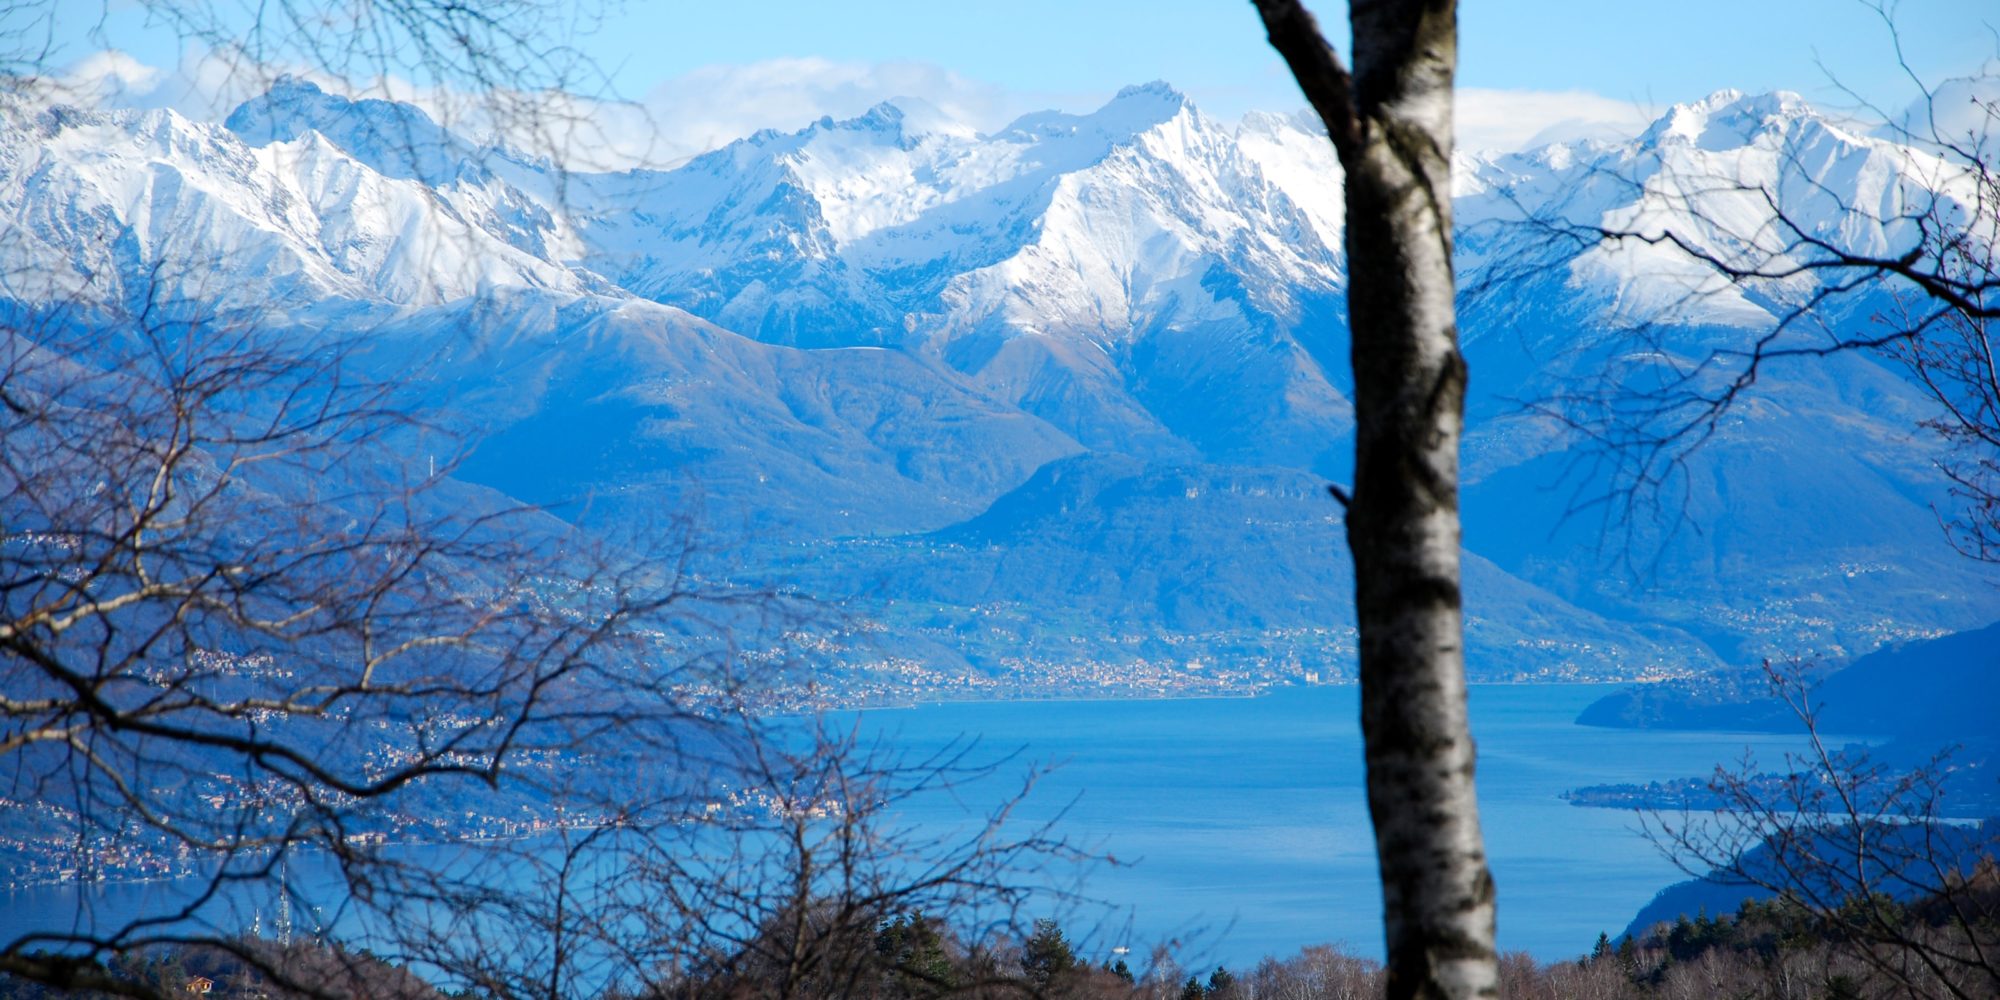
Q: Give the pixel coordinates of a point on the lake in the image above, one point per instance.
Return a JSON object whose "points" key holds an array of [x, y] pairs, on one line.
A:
{"points": [[1242, 824], [1245, 818]]}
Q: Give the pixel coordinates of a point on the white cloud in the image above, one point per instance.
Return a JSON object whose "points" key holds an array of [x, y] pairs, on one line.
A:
{"points": [[712, 106], [1961, 116], [206, 85], [681, 117], [709, 107], [1507, 120], [109, 76]]}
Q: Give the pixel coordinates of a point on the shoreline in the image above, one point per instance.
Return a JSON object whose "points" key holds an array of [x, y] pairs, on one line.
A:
{"points": [[1108, 697], [1260, 692]]}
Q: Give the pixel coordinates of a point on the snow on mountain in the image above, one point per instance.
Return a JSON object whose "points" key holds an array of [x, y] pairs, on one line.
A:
{"points": [[120, 206], [395, 140], [885, 324], [1808, 520], [1716, 175], [485, 186], [900, 212], [901, 227], [1294, 154], [564, 376], [1090, 268], [1145, 261], [878, 210], [1170, 224]]}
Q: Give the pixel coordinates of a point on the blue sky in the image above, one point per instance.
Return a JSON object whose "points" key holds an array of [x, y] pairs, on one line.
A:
{"points": [[709, 72], [1639, 50]]}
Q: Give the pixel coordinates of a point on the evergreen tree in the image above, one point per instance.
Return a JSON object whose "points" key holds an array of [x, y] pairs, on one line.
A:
{"points": [[914, 960], [1047, 955], [1221, 984], [1121, 970]]}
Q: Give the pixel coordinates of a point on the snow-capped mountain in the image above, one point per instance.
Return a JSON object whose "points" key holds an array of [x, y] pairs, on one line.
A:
{"points": [[1711, 173], [1816, 490], [1098, 270], [98, 202], [910, 229], [857, 335]]}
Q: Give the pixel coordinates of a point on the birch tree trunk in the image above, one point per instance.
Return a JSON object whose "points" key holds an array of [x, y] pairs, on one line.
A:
{"points": [[1391, 122]]}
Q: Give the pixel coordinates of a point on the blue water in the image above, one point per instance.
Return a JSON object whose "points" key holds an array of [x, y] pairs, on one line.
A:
{"points": [[1240, 825], [1247, 825]]}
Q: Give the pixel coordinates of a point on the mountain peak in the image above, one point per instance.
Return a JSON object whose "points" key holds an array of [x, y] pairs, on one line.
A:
{"points": [[1157, 101], [1727, 119], [884, 115], [395, 139], [290, 87], [1158, 90], [290, 106], [902, 119], [1131, 111]]}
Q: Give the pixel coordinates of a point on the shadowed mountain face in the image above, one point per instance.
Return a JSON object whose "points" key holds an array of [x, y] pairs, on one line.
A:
{"points": [[1088, 371], [1924, 695]]}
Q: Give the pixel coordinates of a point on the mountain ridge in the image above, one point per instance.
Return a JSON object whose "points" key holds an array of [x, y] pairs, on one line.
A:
{"points": [[866, 332]]}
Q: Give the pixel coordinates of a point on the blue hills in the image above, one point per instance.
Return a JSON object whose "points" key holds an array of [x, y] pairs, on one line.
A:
{"points": [[1067, 393]]}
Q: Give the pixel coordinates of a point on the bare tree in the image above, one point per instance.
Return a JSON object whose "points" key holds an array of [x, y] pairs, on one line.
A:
{"points": [[252, 637], [774, 881], [1948, 349], [238, 623], [1318, 972], [514, 67], [1854, 853], [1907, 273], [1858, 855], [1390, 121], [231, 619]]}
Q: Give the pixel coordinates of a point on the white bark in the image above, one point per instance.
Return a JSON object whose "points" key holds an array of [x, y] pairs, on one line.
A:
{"points": [[1391, 122]]}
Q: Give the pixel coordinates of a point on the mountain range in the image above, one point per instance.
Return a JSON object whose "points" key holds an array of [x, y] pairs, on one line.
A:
{"points": [[1053, 408]]}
